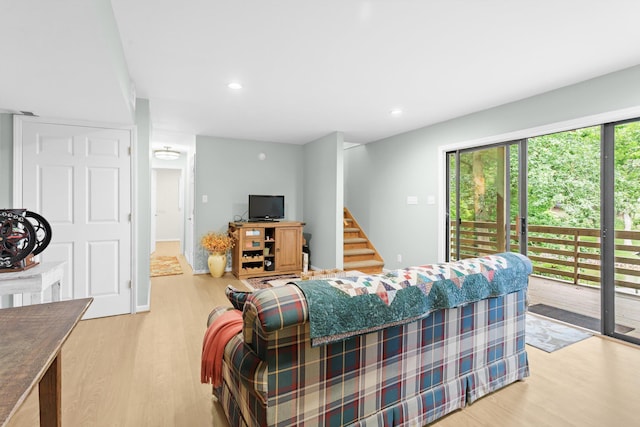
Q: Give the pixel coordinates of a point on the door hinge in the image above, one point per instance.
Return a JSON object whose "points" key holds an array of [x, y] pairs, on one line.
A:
{"points": [[129, 216], [129, 150], [129, 284]]}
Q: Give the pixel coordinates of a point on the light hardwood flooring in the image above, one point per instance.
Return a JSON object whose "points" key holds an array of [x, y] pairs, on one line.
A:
{"points": [[144, 370]]}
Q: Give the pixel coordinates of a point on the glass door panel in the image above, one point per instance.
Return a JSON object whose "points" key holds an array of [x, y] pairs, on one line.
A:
{"points": [[482, 184], [564, 225], [627, 229]]}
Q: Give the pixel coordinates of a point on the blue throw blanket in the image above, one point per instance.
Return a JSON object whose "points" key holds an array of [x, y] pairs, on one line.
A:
{"points": [[348, 306]]}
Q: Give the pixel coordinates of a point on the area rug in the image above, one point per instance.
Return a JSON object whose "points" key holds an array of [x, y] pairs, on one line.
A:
{"points": [[255, 283], [165, 266], [577, 319], [551, 336], [281, 280]]}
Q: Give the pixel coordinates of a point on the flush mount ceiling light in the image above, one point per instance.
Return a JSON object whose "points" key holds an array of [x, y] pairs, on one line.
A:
{"points": [[396, 112], [234, 85], [166, 154]]}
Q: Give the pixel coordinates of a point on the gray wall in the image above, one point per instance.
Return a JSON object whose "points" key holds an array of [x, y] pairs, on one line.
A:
{"points": [[380, 175], [228, 170], [323, 199], [6, 160], [143, 203]]}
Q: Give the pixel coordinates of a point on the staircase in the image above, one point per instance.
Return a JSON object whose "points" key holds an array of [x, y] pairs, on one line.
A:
{"points": [[359, 254]]}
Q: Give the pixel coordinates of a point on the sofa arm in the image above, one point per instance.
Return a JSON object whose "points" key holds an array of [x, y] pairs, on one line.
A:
{"points": [[217, 312], [246, 366], [273, 309]]}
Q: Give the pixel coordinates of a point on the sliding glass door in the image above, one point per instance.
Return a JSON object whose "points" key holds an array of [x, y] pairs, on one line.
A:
{"points": [[483, 195], [570, 201], [621, 248]]}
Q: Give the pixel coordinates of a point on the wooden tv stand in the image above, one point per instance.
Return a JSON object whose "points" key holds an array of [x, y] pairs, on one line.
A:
{"points": [[266, 248]]}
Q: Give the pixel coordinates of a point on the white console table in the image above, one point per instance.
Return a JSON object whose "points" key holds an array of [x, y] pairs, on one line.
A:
{"points": [[34, 281]]}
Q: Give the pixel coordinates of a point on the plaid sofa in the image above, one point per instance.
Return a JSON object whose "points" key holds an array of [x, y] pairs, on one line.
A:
{"points": [[404, 375]]}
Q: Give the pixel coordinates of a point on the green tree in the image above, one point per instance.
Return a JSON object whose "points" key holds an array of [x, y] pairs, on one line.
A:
{"points": [[627, 175], [564, 178]]}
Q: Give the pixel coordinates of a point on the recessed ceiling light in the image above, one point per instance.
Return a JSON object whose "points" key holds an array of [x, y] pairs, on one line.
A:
{"points": [[396, 112], [234, 85]]}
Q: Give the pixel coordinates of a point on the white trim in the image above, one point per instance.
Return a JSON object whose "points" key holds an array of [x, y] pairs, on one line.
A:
{"points": [[17, 300], [74, 122], [587, 121], [18, 121], [17, 160], [143, 308], [134, 220]]}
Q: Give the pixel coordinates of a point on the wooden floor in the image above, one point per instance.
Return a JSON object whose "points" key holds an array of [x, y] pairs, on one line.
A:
{"points": [[144, 370]]}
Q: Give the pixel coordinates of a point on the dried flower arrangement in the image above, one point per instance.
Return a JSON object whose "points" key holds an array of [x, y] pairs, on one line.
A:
{"points": [[217, 242]]}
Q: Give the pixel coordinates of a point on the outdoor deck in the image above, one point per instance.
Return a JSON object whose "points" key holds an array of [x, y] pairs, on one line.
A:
{"points": [[566, 265], [584, 300]]}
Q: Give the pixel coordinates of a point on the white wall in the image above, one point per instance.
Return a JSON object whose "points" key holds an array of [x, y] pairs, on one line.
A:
{"points": [[6, 176], [380, 175]]}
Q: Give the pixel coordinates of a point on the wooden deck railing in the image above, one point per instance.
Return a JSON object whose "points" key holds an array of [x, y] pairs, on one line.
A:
{"points": [[565, 253]]}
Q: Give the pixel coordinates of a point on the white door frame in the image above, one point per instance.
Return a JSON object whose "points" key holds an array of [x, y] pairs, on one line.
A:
{"points": [[18, 120]]}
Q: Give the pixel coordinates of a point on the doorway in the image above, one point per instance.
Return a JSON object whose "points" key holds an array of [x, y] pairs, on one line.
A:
{"points": [[573, 207], [169, 206], [621, 230]]}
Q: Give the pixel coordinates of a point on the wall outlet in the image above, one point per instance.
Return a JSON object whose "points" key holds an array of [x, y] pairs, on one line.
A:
{"points": [[399, 258], [205, 198]]}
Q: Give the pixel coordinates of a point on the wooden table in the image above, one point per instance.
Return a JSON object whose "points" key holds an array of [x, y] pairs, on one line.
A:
{"points": [[30, 341], [34, 281]]}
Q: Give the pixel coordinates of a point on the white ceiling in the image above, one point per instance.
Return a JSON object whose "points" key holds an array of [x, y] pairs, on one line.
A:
{"points": [[308, 67]]}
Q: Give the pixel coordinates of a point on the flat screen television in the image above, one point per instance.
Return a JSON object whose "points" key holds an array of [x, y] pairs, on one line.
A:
{"points": [[265, 207]]}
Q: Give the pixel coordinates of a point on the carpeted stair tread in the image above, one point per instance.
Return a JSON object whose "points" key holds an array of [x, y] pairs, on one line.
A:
{"points": [[354, 252], [354, 240], [351, 230], [362, 264]]}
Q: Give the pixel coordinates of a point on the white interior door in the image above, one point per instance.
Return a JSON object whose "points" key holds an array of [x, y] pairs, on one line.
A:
{"points": [[169, 213], [79, 179]]}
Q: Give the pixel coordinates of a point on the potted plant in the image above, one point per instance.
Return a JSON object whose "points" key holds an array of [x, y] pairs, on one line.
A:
{"points": [[217, 244]]}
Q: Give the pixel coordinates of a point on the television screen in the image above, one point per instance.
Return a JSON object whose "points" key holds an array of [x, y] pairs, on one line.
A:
{"points": [[263, 207]]}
